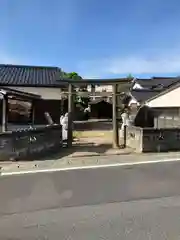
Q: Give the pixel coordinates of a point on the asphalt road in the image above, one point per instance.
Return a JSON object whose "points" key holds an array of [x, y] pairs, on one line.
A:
{"points": [[135, 202]]}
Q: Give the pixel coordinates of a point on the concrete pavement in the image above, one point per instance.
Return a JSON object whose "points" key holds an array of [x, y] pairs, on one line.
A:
{"points": [[133, 202], [66, 162], [155, 219], [37, 191], [128, 202]]}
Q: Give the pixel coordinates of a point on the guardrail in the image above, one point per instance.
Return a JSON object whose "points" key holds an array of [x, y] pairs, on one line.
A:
{"points": [[30, 143]]}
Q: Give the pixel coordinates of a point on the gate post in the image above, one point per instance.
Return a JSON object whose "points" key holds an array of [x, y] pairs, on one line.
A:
{"points": [[70, 115], [4, 113], [114, 120]]}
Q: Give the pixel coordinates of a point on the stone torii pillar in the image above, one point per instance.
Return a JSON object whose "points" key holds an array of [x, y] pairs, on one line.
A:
{"points": [[4, 113], [70, 115], [114, 120]]}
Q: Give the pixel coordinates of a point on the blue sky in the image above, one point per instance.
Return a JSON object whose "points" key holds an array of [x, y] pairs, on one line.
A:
{"points": [[96, 38]]}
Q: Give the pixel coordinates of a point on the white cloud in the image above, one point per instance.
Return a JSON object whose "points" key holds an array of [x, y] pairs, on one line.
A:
{"points": [[159, 64], [140, 65]]}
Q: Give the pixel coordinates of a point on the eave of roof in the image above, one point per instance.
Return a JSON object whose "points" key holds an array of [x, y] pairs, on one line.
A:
{"points": [[12, 93], [142, 95], [154, 82], [58, 85], [167, 90]]}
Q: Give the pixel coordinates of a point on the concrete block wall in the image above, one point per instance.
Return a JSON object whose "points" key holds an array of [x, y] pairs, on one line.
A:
{"points": [[161, 140], [153, 140], [30, 143], [134, 138], [167, 122], [167, 117]]}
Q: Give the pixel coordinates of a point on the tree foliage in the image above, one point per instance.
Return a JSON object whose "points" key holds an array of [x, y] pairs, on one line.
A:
{"points": [[79, 100], [72, 75], [130, 76]]}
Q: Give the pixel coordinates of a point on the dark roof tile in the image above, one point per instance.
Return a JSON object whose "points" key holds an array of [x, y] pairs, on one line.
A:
{"points": [[13, 75], [144, 95], [165, 82]]}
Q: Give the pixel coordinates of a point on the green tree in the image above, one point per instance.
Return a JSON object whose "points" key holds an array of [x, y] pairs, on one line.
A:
{"points": [[130, 76], [79, 100], [72, 75]]}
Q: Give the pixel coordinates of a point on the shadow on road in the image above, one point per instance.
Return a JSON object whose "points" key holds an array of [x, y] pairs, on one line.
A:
{"points": [[79, 148]]}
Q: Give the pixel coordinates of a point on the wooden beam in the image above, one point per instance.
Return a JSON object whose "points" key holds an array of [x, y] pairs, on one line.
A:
{"points": [[70, 115], [80, 82], [115, 123], [4, 113], [88, 94]]}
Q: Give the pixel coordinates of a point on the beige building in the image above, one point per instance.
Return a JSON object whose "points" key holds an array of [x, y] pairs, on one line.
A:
{"points": [[169, 98]]}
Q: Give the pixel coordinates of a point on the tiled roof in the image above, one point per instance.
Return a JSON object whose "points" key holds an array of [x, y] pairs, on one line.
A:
{"points": [[14, 75], [144, 95], [154, 82], [169, 89]]}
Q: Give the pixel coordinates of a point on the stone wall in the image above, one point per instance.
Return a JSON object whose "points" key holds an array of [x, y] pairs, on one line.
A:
{"points": [[30, 143], [153, 140]]}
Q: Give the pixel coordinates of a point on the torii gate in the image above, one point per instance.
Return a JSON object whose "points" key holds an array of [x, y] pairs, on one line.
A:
{"points": [[118, 86]]}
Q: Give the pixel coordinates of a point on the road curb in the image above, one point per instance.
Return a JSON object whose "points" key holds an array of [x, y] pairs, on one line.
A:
{"points": [[96, 166], [101, 155]]}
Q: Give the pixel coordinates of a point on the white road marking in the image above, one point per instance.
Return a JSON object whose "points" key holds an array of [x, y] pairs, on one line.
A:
{"points": [[89, 167]]}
